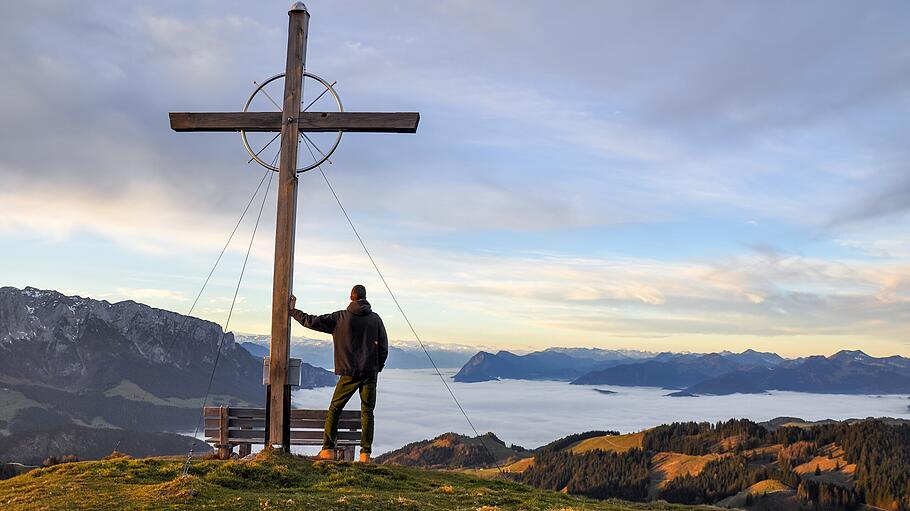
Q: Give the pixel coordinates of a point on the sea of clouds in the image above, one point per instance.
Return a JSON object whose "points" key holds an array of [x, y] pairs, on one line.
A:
{"points": [[415, 405]]}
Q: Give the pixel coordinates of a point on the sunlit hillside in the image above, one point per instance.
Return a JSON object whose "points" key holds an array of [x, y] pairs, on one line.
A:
{"points": [[279, 482]]}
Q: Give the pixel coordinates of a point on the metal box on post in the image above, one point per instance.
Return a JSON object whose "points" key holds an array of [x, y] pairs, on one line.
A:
{"points": [[294, 375]]}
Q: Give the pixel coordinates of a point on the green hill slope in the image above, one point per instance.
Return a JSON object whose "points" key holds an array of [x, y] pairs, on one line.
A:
{"points": [[278, 482]]}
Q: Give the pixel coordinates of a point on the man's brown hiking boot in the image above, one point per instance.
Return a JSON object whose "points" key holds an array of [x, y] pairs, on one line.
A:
{"points": [[326, 454], [365, 458]]}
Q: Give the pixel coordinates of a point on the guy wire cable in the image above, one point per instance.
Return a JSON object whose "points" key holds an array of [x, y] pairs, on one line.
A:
{"points": [[217, 261], [405, 316], [224, 331]]}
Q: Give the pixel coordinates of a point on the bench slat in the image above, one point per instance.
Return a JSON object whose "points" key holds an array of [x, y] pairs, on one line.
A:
{"points": [[320, 414], [259, 424], [259, 413], [241, 441], [307, 424], [250, 434]]}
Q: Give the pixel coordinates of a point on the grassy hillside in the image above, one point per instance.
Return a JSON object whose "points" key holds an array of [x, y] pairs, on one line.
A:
{"points": [[609, 443], [831, 465], [734, 463], [667, 466], [615, 443], [278, 482], [760, 489], [516, 467], [454, 451]]}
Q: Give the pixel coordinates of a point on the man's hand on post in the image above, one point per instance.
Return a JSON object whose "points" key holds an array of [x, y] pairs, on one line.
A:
{"points": [[293, 302]]}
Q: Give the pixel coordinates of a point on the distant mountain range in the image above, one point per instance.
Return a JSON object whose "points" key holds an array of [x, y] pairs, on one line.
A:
{"points": [[845, 372], [678, 371], [550, 364], [68, 362], [749, 372], [402, 355]]}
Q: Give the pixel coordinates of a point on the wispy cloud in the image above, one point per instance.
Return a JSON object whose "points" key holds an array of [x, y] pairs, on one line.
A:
{"points": [[146, 294]]}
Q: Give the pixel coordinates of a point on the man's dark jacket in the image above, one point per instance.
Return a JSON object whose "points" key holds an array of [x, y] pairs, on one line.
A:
{"points": [[361, 344]]}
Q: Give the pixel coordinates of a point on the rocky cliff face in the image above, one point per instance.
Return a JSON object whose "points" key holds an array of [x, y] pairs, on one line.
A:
{"points": [[125, 364], [80, 344]]}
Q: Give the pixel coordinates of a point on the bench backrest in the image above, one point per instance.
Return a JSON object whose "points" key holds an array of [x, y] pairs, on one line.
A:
{"points": [[228, 425]]}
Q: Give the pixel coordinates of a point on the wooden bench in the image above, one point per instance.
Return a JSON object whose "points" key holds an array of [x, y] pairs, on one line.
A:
{"points": [[227, 427]]}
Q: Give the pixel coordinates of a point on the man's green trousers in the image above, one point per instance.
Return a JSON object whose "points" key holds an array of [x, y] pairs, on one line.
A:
{"points": [[344, 389]]}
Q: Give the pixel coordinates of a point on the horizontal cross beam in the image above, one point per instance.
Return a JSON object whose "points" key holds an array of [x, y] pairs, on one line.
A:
{"points": [[393, 122]]}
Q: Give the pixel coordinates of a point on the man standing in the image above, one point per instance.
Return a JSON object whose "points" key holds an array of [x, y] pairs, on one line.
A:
{"points": [[361, 348]]}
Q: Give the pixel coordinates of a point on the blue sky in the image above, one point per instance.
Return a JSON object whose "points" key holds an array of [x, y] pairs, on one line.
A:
{"points": [[656, 175]]}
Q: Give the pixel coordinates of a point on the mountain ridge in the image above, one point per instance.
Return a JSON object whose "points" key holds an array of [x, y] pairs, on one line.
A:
{"points": [[69, 362], [552, 363], [693, 374], [678, 371], [844, 372]]}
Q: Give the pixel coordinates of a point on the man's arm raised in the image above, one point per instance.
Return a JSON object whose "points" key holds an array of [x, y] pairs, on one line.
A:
{"points": [[323, 323]]}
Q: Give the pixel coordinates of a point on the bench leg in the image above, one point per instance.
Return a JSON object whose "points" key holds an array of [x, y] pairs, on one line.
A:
{"points": [[225, 451], [349, 453], [244, 450]]}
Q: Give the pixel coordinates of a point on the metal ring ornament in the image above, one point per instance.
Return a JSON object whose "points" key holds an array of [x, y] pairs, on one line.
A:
{"points": [[325, 156]]}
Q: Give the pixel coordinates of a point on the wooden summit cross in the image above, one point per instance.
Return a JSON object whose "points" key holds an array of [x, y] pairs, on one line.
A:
{"points": [[290, 122]]}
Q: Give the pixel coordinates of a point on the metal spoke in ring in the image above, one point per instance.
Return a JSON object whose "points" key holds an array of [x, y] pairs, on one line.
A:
{"points": [[265, 146], [305, 135], [317, 97], [268, 96], [276, 135]]}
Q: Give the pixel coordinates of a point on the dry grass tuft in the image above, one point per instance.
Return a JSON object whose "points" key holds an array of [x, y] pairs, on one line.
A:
{"points": [[405, 502], [178, 488]]}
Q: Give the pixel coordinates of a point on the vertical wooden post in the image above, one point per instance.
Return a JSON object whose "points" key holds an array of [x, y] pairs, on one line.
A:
{"points": [[285, 225], [224, 447]]}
